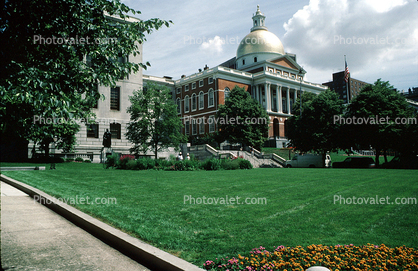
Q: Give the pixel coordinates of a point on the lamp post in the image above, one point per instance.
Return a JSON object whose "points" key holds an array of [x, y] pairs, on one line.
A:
{"points": [[53, 156], [300, 89]]}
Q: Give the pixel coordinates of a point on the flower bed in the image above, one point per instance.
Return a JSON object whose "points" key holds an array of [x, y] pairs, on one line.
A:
{"points": [[347, 257]]}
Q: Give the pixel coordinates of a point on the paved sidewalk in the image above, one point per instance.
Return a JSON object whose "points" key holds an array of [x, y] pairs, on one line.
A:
{"points": [[35, 238]]}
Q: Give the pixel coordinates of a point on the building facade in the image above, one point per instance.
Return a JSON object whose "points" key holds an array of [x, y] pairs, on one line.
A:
{"points": [[261, 66], [110, 114], [339, 85]]}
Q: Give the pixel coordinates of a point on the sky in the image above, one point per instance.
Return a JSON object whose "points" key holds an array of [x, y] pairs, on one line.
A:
{"points": [[378, 37]]}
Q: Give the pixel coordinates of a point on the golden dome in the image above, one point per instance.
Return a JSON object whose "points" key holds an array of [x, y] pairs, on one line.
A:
{"points": [[260, 41]]}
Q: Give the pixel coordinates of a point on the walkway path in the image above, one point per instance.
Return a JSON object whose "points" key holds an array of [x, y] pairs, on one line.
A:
{"points": [[35, 238]]}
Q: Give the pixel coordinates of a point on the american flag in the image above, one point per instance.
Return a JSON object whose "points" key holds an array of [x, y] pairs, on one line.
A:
{"points": [[346, 73]]}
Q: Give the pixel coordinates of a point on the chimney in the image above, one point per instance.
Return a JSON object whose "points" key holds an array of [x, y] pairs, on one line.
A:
{"points": [[206, 67], [183, 76]]}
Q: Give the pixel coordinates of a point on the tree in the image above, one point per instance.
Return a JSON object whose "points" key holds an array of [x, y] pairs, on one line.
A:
{"points": [[242, 120], [154, 124], [53, 56], [373, 114], [315, 130]]}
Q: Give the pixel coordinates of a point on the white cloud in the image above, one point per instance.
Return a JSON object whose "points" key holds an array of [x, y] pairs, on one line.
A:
{"points": [[213, 46], [378, 37], [384, 5]]}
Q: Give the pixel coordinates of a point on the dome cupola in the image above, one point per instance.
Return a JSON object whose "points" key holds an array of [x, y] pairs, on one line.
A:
{"points": [[259, 44]]}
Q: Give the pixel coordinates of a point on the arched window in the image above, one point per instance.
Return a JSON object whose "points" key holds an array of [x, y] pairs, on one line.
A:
{"points": [[178, 102], [194, 102], [211, 99], [226, 91], [201, 100], [255, 59], [186, 104]]}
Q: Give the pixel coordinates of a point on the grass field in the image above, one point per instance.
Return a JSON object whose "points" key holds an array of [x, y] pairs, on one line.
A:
{"points": [[335, 156], [300, 207]]}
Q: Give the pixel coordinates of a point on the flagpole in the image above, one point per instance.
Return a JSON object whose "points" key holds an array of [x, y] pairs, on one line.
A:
{"points": [[346, 81]]}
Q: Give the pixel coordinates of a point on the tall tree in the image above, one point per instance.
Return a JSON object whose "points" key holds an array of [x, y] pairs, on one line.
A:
{"points": [[315, 129], [242, 120], [154, 123], [375, 111], [55, 53]]}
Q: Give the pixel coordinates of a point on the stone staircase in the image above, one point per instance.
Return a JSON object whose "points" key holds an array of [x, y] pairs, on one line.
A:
{"points": [[256, 158]]}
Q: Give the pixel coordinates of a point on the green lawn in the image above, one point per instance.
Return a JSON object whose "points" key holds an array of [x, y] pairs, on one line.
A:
{"points": [[335, 156], [299, 210]]}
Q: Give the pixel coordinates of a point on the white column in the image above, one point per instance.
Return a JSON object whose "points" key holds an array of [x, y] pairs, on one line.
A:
{"points": [[268, 96], [296, 95], [279, 99], [257, 94], [288, 100]]}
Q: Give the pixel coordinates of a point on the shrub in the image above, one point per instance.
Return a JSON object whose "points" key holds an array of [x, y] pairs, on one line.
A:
{"points": [[131, 164], [179, 165], [192, 157], [123, 160], [87, 161], [164, 164], [230, 164], [79, 159], [191, 164], [211, 164], [141, 164], [244, 164], [111, 160], [150, 163], [69, 159]]}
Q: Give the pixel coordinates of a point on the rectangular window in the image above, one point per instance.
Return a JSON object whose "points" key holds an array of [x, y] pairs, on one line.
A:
{"points": [[187, 128], [186, 88], [93, 130], [194, 127], [178, 106], [123, 60], [201, 100], [210, 80], [115, 130], [211, 122], [194, 102], [178, 90], [211, 98], [115, 98], [202, 126], [186, 104], [201, 83], [194, 85]]}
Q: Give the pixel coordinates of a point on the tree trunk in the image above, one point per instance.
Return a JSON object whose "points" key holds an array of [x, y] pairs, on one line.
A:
{"points": [[385, 154], [156, 151], [377, 157], [46, 149]]}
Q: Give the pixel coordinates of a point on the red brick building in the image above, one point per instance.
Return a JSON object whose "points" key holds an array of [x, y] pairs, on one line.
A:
{"points": [[261, 66]]}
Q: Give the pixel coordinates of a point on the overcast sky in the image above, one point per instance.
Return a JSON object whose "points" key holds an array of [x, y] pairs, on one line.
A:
{"points": [[379, 37]]}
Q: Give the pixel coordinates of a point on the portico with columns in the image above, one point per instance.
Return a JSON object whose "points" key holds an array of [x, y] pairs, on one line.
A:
{"points": [[262, 67], [277, 78]]}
